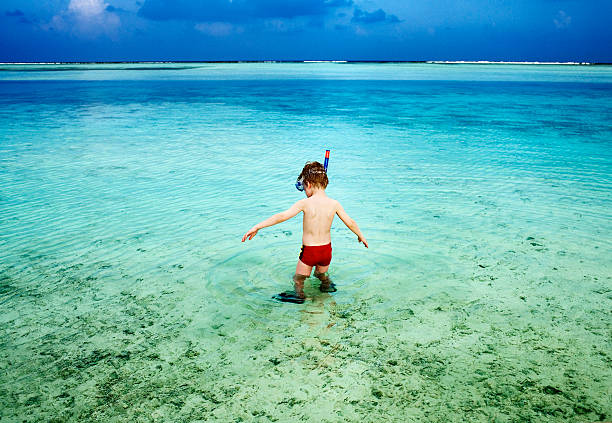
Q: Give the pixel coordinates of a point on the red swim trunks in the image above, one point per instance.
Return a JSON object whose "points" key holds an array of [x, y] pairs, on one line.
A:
{"points": [[316, 255]]}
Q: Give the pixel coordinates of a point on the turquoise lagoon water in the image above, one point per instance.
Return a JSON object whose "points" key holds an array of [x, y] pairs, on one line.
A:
{"points": [[485, 192]]}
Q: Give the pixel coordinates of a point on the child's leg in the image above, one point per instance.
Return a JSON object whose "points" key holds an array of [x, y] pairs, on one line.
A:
{"points": [[326, 284], [302, 271], [321, 272], [298, 284]]}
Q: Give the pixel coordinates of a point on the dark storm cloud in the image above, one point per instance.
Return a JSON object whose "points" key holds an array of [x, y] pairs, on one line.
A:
{"points": [[236, 10], [113, 9], [14, 13], [361, 16], [17, 14]]}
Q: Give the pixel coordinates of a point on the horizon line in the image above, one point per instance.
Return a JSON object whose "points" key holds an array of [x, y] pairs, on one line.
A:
{"points": [[443, 62]]}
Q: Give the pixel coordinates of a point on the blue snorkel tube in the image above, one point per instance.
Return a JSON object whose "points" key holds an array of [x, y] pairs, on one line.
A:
{"points": [[298, 184]]}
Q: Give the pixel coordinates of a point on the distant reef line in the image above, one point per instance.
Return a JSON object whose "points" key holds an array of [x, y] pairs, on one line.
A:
{"points": [[440, 62]]}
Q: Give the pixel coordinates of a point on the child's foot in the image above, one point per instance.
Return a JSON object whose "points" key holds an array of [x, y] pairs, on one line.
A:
{"points": [[328, 287], [326, 284], [290, 297]]}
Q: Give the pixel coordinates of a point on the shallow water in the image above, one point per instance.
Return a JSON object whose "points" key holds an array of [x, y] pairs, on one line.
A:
{"points": [[485, 192]]}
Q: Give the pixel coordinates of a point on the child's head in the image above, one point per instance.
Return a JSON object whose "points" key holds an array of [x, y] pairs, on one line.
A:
{"points": [[314, 173]]}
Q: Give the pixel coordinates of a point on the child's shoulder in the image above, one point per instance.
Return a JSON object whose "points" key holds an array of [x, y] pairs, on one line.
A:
{"points": [[327, 201], [334, 201]]}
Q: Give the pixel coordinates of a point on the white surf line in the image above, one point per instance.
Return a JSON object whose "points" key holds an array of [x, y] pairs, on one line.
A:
{"points": [[504, 62]]}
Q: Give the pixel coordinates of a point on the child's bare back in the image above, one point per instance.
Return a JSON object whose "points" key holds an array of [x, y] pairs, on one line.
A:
{"points": [[319, 212]]}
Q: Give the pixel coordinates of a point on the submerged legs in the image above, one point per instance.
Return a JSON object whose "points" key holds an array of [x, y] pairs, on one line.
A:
{"points": [[298, 284], [297, 295], [326, 284]]}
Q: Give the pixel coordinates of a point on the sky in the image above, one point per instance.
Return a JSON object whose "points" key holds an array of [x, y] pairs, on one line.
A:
{"points": [[192, 30]]}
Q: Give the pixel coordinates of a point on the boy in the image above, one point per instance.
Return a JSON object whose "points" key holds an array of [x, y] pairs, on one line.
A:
{"points": [[319, 212]]}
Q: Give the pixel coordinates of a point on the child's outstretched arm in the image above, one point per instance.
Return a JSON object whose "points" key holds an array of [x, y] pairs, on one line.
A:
{"points": [[351, 224], [273, 220]]}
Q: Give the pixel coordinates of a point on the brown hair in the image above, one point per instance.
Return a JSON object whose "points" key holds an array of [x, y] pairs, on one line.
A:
{"points": [[314, 173]]}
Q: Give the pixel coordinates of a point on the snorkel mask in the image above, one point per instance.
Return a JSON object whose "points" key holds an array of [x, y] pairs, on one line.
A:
{"points": [[299, 183]]}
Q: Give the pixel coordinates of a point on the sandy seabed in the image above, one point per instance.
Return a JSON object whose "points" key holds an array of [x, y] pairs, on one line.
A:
{"points": [[519, 334]]}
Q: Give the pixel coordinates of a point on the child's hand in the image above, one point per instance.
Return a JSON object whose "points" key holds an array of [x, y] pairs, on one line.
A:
{"points": [[365, 243], [250, 234]]}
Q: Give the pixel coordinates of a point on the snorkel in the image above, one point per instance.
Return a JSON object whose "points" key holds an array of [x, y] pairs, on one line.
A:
{"points": [[326, 160], [299, 184]]}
